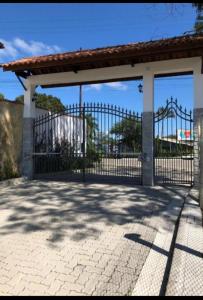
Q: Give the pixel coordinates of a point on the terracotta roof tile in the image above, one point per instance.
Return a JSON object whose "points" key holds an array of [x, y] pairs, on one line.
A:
{"points": [[132, 50]]}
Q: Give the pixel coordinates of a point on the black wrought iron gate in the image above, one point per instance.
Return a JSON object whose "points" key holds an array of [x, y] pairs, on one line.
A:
{"points": [[95, 142], [173, 139]]}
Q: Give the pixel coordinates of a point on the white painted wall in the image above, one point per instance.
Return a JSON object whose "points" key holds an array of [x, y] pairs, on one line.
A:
{"points": [[40, 111], [198, 87], [64, 127], [29, 105]]}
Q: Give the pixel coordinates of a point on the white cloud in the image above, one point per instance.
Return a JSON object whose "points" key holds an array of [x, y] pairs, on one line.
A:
{"points": [[18, 47], [9, 50], [96, 86], [117, 85], [114, 85], [35, 48]]}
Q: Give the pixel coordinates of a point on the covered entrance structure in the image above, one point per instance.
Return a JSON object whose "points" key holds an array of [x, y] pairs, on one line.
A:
{"points": [[144, 60]]}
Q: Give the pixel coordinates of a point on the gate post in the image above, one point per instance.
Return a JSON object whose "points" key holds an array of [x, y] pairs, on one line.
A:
{"points": [[28, 118], [198, 112], [148, 130], [201, 164]]}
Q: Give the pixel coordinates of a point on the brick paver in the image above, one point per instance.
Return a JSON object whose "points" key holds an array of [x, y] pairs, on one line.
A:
{"points": [[60, 238]]}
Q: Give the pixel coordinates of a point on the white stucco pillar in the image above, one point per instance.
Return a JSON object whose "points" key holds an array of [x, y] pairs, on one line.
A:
{"points": [[148, 129], [28, 118], [198, 114], [29, 105]]}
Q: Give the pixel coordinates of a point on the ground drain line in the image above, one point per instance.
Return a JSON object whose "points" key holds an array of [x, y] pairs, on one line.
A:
{"points": [[171, 252]]}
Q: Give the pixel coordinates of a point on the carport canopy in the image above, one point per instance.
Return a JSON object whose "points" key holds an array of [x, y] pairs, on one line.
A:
{"points": [[141, 60], [164, 57]]}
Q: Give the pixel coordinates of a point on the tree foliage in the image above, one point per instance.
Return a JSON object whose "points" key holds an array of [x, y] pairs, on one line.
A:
{"points": [[198, 26], [92, 126], [129, 131], [44, 101], [199, 18], [91, 133], [164, 113], [2, 97]]}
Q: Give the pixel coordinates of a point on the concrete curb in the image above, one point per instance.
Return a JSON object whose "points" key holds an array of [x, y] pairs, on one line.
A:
{"points": [[186, 276], [150, 281]]}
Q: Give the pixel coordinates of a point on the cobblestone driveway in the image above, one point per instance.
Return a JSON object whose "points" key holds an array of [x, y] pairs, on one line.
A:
{"points": [[61, 238]]}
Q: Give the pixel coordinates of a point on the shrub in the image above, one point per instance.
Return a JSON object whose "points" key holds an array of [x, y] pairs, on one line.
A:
{"points": [[7, 170]]}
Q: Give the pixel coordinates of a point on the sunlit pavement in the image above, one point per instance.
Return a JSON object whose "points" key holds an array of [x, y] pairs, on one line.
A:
{"points": [[59, 238]]}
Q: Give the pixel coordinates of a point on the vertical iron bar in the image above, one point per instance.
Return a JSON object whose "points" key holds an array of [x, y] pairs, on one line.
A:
{"points": [[181, 117], [185, 150], [176, 134], [84, 141], [191, 147]]}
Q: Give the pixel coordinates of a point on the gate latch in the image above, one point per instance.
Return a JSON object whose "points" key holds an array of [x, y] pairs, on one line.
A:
{"points": [[143, 157]]}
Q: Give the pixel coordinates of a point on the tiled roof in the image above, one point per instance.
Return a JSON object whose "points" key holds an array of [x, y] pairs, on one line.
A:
{"points": [[1, 46], [176, 47]]}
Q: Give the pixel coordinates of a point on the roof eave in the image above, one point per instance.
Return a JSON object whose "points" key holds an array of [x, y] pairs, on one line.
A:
{"points": [[186, 49], [105, 62]]}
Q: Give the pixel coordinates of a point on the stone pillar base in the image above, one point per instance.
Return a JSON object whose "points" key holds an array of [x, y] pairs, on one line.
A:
{"points": [[198, 113], [27, 159], [148, 148]]}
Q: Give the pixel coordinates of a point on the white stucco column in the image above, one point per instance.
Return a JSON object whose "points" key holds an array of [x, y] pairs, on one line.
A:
{"points": [[198, 114], [28, 117], [29, 105], [148, 129]]}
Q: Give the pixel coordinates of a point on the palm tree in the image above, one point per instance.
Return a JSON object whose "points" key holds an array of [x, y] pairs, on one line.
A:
{"points": [[164, 113], [92, 126], [91, 132]]}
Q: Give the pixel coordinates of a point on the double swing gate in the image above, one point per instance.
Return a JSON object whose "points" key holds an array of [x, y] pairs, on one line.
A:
{"points": [[173, 144], [93, 142], [98, 142]]}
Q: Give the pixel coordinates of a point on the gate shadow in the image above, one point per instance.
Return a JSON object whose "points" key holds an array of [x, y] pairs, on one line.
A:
{"points": [[78, 211]]}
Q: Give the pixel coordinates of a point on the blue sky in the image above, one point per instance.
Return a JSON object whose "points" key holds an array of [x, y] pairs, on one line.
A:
{"points": [[37, 29]]}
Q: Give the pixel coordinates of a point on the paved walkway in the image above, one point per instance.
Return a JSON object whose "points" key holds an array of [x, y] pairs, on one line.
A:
{"points": [[186, 276], [61, 238]]}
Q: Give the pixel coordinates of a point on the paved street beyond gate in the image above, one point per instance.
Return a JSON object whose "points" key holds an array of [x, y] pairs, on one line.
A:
{"points": [[59, 238]]}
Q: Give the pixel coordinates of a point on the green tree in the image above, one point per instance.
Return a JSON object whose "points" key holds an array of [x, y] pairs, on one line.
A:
{"points": [[199, 18], [44, 101], [92, 126], [91, 132], [2, 97], [198, 26], [106, 142], [163, 113], [129, 130]]}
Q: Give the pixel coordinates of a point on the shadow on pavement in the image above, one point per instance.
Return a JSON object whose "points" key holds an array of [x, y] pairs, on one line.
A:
{"points": [[77, 210], [136, 238]]}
